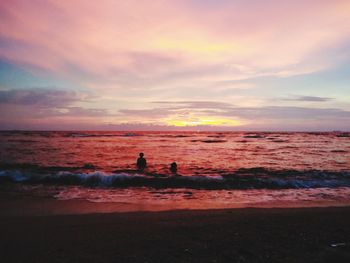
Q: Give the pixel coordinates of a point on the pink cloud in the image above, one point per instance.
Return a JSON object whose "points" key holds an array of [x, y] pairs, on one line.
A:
{"points": [[103, 37]]}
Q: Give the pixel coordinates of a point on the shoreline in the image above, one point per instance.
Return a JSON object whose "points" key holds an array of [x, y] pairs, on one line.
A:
{"points": [[13, 204]]}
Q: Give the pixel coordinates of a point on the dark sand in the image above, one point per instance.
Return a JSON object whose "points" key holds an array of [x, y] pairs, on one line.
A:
{"points": [[236, 235]]}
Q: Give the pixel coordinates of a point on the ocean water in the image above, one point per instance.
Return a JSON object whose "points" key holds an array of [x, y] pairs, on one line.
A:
{"points": [[215, 169]]}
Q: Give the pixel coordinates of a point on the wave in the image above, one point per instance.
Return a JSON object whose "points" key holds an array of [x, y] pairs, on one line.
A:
{"points": [[255, 136], [343, 135], [82, 135], [209, 141], [251, 178]]}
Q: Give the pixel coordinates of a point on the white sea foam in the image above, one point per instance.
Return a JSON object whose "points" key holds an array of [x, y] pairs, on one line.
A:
{"points": [[123, 179]]}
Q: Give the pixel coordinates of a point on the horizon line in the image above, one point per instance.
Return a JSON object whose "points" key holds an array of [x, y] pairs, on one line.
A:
{"points": [[223, 131]]}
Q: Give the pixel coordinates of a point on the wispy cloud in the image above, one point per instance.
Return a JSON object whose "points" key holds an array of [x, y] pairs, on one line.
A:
{"points": [[45, 105], [117, 42], [197, 104], [308, 98], [39, 97]]}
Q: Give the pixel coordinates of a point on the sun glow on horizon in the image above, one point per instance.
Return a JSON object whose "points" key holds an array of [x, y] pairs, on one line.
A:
{"points": [[202, 121]]}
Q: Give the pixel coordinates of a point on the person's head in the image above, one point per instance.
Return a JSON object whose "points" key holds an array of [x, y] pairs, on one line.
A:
{"points": [[141, 155]]}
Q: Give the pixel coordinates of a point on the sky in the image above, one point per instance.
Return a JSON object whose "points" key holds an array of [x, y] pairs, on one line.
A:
{"points": [[212, 65]]}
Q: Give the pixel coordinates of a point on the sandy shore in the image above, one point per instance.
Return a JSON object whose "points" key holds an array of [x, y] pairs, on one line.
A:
{"points": [[236, 235]]}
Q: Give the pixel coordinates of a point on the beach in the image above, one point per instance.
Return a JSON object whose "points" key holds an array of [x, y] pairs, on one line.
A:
{"points": [[54, 233]]}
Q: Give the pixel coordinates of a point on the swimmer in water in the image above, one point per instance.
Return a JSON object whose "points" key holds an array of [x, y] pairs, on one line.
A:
{"points": [[173, 167], [141, 163]]}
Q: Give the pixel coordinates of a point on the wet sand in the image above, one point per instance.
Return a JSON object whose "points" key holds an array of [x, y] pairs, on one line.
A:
{"points": [[230, 235]]}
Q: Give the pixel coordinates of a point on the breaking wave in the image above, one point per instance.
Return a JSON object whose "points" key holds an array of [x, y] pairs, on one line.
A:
{"points": [[250, 178]]}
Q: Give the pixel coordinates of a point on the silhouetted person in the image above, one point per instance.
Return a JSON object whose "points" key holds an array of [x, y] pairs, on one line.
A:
{"points": [[141, 162], [173, 167]]}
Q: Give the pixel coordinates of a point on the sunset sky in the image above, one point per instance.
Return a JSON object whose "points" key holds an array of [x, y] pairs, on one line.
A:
{"points": [[175, 65]]}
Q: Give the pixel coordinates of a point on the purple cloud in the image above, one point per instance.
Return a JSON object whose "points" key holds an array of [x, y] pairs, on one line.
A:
{"points": [[39, 97], [308, 99]]}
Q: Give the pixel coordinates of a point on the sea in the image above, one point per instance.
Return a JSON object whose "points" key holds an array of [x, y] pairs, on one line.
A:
{"points": [[215, 169]]}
